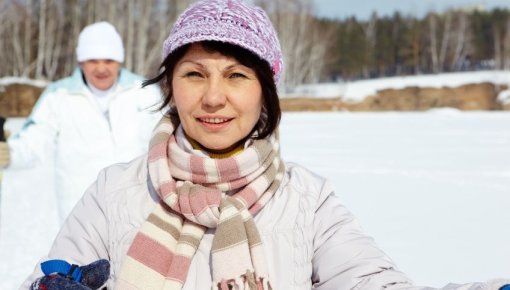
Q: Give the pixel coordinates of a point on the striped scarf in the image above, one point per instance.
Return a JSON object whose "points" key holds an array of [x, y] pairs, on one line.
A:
{"points": [[193, 197]]}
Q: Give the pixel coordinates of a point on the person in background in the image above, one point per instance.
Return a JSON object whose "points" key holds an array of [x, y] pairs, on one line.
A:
{"points": [[212, 205], [98, 116]]}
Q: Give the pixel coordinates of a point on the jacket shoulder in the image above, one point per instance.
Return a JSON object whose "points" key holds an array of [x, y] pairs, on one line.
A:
{"points": [[73, 82], [308, 183], [304, 179], [130, 79], [122, 176]]}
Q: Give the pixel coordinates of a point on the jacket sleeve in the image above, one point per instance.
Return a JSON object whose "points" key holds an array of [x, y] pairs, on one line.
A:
{"points": [[345, 258], [83, 238], [37, 137]]}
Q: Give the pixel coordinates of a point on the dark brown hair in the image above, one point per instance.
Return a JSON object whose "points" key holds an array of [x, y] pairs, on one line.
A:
{"points": [[271, 113]]}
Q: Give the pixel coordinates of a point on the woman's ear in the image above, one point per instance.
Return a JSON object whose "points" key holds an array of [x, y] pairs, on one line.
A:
{"points": [[263, 118], [172, 106]]}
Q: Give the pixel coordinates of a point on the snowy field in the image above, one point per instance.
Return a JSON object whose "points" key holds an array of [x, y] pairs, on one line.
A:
{"points": [[356, 91], [432, 188]]}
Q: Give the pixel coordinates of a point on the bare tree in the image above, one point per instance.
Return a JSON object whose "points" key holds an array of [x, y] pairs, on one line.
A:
{"points": [[303, 43], [91, 10], [445, 42], [142, 35], [54, 43], [75, 8], [506, 47], [160, 30], [38, 38], [498, 51], [6, 67], [111, 9], [19, 62], [461, 41], [130, 34], [370, 35], [28, 36], [438, 57], [41, 40]]}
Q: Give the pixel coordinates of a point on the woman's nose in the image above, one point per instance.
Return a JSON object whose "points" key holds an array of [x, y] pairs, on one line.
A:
{"points": [[101, 66], [215, 93]]}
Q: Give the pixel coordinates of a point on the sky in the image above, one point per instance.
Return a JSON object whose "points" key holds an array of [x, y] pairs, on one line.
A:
{"points": [[363, 8]]}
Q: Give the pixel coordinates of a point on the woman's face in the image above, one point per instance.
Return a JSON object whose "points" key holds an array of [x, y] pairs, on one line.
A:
{"points": [[101, 73], [218, 99]]}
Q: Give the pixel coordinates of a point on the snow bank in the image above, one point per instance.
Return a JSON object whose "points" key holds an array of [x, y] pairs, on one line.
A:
{"points": [[19, 80], [356, 91]]}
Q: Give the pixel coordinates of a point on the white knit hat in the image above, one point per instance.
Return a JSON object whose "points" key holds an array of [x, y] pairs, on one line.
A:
{"points": [[100, 41]]}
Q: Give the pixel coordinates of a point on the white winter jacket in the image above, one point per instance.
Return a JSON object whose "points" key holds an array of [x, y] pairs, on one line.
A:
{"points": [[67, 120], [311, 240]]}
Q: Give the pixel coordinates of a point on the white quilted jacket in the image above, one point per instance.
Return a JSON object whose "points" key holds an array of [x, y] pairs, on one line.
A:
{"points": [[311, 240], [68, 121]]}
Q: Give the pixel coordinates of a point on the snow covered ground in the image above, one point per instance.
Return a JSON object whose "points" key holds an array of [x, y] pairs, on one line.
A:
{"points": [[432, 188], [356, 91]]}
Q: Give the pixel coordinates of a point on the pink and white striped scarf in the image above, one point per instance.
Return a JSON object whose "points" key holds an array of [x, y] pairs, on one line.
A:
{"points": [[193, 198]]}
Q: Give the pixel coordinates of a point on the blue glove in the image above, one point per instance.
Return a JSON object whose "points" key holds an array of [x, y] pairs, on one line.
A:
{"points": [[505, 287], [60, 275]]}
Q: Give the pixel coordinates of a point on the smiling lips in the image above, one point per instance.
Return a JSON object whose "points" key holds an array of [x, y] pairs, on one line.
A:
{"points": [[214, 123], [102, 77]]}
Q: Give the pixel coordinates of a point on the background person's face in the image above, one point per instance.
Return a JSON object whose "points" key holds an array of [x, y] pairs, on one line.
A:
{"points": [[218, 99], [101, 73]]}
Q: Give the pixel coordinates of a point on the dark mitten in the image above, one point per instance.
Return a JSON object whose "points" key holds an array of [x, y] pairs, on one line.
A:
{"points": [[57, 282], [95, 274], [61, 275]]}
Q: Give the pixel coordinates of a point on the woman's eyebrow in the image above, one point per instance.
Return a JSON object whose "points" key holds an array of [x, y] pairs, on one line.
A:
{"points": [[192, 62]]}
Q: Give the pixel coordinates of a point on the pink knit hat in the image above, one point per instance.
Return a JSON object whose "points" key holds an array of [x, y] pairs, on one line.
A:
{"points": [[230, 21]]}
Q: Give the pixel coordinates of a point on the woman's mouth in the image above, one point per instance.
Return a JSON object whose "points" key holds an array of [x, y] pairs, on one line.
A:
{"points": [[214, 122]]}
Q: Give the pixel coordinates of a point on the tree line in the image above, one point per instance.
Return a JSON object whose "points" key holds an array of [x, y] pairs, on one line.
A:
{"points": [[455, 40], [38, 39]]}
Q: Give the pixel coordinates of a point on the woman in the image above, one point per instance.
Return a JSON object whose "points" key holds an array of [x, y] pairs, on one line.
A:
{"points": [[213, 205]]}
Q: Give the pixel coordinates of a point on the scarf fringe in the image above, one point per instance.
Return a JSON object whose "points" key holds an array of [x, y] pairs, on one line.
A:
{"points": [[244, 282]]}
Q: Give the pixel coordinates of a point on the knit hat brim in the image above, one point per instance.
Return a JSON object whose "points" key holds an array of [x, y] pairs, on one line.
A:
{"points": [[232, 22]]}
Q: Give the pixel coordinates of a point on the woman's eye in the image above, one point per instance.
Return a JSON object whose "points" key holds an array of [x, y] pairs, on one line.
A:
{"points": [[237, 75], [193, 74]]}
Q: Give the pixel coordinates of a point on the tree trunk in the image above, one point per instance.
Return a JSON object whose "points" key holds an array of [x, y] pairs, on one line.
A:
{"points": [[461, 42], [142, 39], [433, 42], [75, 10], [41, 40], [445, 41], [129, 49], [27, 42], [497, 48], [90, 12], [506, 47]]}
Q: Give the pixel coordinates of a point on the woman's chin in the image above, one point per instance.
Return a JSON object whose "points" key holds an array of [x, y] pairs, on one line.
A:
{"points": [[219, 148]]}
